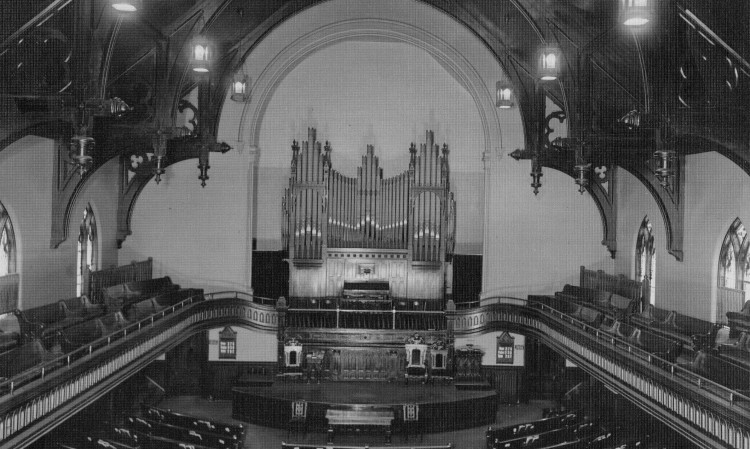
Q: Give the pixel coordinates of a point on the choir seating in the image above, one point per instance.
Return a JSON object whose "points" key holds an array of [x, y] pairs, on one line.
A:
{"points": [[180, 434], [10, 332], [233, 431], [121, 295]]}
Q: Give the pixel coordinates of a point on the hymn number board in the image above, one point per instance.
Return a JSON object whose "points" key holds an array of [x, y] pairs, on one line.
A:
{"points": [[505, 346]]}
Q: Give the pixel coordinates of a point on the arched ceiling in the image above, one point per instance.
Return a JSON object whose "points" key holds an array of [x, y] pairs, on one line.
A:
{"points": [[683, 83]]}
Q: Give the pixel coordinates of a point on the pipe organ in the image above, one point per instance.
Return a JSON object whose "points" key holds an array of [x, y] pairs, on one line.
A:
{"points": [[338, 228]]}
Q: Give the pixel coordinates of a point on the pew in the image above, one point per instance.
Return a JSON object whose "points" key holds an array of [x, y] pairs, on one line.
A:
{"points": [[142, 309], [44, 321], [717, 369], [118, 296], [234, 431], [550, 438], [740, 321], [81, 334], [665, 348], [81, 307], [738, 351], [158, 442], [10, 332], [495, 435], [176, 433], [691, 331], [25, 357]]}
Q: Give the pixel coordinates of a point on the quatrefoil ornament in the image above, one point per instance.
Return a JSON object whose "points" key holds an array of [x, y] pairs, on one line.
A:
{"points": [[135, 161], [601, 173]]}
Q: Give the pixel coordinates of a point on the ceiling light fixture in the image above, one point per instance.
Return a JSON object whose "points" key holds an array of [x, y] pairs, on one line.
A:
{"points": [[201, 55], [503, 95], [635, 13], [549, 63], [126, 5]]}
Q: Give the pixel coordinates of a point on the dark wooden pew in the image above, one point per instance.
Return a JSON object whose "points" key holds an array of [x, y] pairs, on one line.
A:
{"points": [[738, 351], [121, 295], [44, 321], [720, 370], [182, 434], [693, 332], [495, 435], [26, 356], [10, 332], [81, 307], [156, 442], [142, 309], [662, 347], [550, 438], [233, 431], [739, 321]]}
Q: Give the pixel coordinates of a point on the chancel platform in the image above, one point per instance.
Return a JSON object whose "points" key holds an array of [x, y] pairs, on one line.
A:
{"points": [[441, 407]]}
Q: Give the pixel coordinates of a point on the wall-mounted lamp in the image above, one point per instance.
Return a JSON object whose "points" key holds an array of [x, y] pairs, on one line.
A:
{"points": [[126, 5], [201, 55], [635, 13], [536, 174], [665, 169], [81, 151], [240, 88], [582, 176], [548, 64], [160, 152], [203, 166], [503, 95]]}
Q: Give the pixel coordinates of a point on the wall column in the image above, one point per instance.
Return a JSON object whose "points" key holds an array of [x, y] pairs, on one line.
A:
{"points": [[491, 160], [253, 154]]}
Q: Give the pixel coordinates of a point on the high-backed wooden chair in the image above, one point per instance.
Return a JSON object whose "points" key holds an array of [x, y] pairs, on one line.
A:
{"points": [[298, 417], [410, 421]]}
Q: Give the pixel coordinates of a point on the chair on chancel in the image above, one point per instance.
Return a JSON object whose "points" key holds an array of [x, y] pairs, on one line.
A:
{"points": [[298, 417], [410, 421]]}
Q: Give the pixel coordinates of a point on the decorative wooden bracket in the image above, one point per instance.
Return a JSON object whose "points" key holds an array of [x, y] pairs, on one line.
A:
{"points": [[671, 199], [137, 168]]}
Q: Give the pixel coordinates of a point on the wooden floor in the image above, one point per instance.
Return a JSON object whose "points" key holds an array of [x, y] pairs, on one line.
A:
{"points": [[268, 438]]}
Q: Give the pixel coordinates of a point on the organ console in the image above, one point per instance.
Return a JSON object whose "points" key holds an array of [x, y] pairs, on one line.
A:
{"points": [[398, 230]]}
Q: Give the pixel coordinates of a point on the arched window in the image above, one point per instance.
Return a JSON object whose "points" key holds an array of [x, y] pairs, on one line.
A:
{"points": [[645, 259], [86, 260], [733, 257], [7, 244]]}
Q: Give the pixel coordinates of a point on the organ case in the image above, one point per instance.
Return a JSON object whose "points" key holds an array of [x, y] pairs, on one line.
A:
{"points": [[399, 230]]}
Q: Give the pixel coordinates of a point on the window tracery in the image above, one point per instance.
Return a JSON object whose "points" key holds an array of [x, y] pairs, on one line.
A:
{"points": [[645, 259], [86, 254]]}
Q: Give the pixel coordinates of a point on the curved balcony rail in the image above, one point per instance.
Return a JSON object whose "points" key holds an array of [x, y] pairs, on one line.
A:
{"points": [[366, 319], [707, 413]]}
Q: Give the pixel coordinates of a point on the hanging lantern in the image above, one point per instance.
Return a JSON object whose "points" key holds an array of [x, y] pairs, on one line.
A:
{"points": [[548, 63], [160, 152], [635, 13], [201, 55], [81, 152], [582, 176], [536, 175], [127, 6], [240, 88], [503, 95], [665, 169], [203, 164]]}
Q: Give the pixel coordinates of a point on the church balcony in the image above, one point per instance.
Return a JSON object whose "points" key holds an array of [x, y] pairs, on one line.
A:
{"points": [[709, 414]]}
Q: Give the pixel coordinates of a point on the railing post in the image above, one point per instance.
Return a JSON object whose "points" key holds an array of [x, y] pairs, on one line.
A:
{"points": [[337, 316], [281, 309], [393, 323]]}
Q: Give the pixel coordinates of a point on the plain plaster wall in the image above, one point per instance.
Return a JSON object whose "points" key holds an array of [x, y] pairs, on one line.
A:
{"points": [[717, 192], [26, 190]]}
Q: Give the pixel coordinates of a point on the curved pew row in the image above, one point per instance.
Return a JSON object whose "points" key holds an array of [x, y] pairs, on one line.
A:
{"points": [[232, 431], [181, 434]]}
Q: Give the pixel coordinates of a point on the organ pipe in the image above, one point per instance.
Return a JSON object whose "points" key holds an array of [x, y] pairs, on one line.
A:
{"points": [[413, 210]]}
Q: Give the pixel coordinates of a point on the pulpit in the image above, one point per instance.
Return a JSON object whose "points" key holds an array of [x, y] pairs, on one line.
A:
{"points": [[439, 361]]}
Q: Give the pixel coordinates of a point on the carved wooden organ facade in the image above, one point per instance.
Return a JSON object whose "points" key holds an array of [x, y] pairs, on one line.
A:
{"points": [[338, 229]]}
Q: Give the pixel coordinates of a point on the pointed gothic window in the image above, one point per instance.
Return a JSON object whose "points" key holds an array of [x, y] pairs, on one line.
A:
{"points": [[733, 257], [7, 244], [86, 255], [645, 259]]}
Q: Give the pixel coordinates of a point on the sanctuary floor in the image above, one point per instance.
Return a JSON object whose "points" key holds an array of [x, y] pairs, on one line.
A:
{"points": [[269, 438]]}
